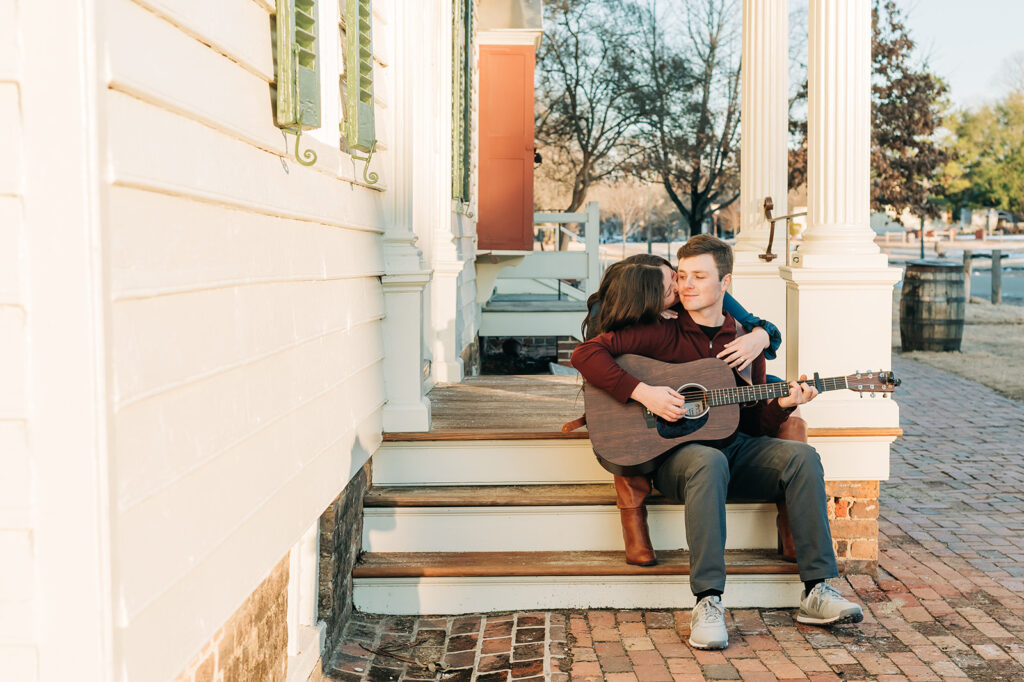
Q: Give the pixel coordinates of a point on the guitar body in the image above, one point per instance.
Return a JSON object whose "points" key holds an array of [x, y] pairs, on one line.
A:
{"points": [[629, 441]]}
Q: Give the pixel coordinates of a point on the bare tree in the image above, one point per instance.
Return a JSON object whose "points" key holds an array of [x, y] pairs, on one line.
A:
{"points": [[581, 116], [1011, 73], [691, 106], [632, 202]]}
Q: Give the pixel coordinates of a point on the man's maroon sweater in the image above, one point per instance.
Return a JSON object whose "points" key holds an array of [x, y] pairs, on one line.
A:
{"points": [[679, 340]]}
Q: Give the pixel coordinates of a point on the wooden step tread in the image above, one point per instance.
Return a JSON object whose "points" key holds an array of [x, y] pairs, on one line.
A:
{"points": [[548, 495], [538, 564]]}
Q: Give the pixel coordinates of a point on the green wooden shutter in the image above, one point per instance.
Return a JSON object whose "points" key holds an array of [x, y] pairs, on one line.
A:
{"points": [[298, 64], [462, 81], [359, 126]]}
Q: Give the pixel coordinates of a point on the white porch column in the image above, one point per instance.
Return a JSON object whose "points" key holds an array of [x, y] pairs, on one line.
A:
{"points": [[405, 277], [839, 284], [839, 136], [765, 120]]}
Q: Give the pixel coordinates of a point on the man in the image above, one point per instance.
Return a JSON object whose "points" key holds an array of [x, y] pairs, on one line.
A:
{"points": [[748, 465]]}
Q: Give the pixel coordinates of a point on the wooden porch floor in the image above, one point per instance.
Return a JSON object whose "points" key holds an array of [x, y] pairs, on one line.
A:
{"points": [[531, 407], [509, 407]]}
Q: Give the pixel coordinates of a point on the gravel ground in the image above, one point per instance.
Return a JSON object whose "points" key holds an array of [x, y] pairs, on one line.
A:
{"points": [[992, 352]]}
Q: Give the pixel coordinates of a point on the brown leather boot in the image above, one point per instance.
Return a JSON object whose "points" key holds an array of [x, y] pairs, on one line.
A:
{"points": [[630, 493], [793, 428]]}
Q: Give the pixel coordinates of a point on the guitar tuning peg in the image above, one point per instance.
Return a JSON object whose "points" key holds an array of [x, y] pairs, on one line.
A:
{"points": [[872, 395]]}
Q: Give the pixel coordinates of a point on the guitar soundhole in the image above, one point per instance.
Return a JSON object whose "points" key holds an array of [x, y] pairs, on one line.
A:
{"points": [[683, 427], [695, 417]]}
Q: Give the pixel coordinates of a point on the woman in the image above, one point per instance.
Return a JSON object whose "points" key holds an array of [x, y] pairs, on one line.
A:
{"points": [[618, 304]]}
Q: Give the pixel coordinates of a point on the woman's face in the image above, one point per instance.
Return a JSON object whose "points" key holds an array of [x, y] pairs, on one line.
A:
{"points": [[669, 282]]}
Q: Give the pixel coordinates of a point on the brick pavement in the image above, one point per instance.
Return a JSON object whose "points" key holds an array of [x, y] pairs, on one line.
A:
{"points": [[948, 601]]}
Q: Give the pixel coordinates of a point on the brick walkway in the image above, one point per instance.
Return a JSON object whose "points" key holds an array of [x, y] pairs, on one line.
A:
{"points": [[948, 602]]}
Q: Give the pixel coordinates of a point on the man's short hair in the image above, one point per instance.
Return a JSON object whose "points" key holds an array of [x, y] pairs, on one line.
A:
{"points": [[705, 243]]}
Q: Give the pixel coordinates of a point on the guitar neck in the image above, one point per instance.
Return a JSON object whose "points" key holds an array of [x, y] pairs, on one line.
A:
{"points": [[749, 394]]}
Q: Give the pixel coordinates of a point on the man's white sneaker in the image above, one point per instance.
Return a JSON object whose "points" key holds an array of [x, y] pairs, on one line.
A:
{"points": [[707, 624], [825, 606]]}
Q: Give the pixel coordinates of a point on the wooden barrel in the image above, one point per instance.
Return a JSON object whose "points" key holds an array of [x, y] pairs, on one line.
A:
{"points": [[932, 306]]}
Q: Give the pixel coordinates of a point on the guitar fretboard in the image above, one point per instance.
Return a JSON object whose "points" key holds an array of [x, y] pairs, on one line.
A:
{"points": [[747, 394]]}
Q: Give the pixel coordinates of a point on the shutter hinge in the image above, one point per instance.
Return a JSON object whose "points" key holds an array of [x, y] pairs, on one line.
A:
{"points": [[368, 178]]}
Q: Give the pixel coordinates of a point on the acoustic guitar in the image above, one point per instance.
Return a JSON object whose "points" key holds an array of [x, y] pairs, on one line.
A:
{"points": [[629, 439]]}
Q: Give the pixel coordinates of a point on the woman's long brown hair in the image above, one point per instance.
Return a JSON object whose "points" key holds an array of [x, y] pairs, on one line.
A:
{"points": [[592, 324]]}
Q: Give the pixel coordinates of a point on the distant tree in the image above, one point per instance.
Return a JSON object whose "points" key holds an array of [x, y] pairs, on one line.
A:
{"points": [[582, 119], [633, 204], [689, 96], [1011, 73], [987, 165], [907, 104]]}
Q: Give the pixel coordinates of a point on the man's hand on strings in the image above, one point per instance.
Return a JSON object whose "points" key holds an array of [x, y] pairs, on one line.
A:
{"points": [[661, 400], [743, 350], [799, 393]]}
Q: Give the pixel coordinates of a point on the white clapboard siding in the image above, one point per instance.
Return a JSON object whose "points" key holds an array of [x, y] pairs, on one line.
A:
{"points": [[11, 251], [157, 62], [184, 522], [18, 649], [190, 159], [8, 41], [177, 621], [10, 139], [229, 26], [240, 325], [13, 361], [167, 437], [154, 60], [15, 483], [162, 244], [16, 588]]}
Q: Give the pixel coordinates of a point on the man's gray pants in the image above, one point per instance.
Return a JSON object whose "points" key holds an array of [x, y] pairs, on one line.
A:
{"points": [[749, 468]]}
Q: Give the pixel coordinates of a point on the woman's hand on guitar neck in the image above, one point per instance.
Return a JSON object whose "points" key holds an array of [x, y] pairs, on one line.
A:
{"points": [[799, 393], [661, 400]]}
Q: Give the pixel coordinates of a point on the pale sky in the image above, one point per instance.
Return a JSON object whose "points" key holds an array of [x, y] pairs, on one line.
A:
{"points": [[966, 42]]}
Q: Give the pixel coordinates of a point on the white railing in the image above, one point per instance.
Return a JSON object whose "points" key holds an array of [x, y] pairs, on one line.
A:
{"points": [[569, 264]]}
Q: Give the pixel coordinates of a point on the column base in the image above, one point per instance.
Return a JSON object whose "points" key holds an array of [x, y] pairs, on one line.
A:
{"points": [[407, 417], [448, 372]]}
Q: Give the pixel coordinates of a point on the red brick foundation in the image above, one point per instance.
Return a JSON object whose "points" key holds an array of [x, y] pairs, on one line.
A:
{"points": [[853, 517], [566, 345]]}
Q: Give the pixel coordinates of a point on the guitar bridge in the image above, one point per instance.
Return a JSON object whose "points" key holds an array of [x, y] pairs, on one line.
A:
{"points": [[650, 418]]}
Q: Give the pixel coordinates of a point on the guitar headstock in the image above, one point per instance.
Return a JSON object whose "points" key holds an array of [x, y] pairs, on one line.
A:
{"points": [[872, 382]]}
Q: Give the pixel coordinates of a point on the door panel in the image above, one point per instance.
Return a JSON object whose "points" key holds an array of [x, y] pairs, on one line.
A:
{"points": [[505, 218]]}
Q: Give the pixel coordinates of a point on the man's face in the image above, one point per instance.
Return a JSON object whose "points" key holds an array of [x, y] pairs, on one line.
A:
{"points": [[698, 283]]}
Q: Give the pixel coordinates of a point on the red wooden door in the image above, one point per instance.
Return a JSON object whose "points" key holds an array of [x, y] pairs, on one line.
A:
{"points": [[505, 218]]}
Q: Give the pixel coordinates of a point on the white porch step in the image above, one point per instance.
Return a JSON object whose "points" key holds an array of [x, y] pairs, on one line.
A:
{"points": [[541, 528], [452, 583], [487, 462]]}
